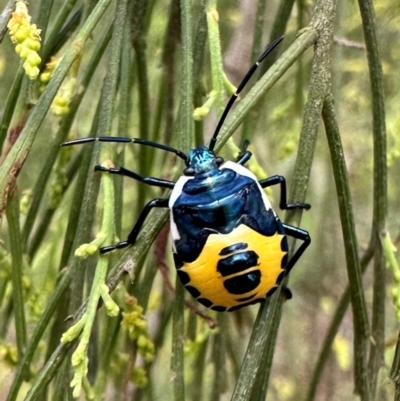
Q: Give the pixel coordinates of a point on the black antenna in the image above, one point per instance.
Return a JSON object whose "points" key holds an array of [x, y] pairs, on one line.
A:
{"points": [[246, 78], [119, 139]]}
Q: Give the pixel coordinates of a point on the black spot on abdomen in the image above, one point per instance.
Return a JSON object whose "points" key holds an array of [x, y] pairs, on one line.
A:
{"points": [[243, 283], [240, 246], [237, 263]]}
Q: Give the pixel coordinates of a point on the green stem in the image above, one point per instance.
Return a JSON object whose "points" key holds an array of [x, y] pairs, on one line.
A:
{"points": [[102, 125], [199, 372], [361, 327], [395, 371], [260, 388], [144, 112], [185, 140], [200, 39], [79, 357], [250, 122], [337, 319], [124, 107], [17, 273], [16, 158], [62, 133], [48, 371], [254, 354], [172, 40], [5, 17], [83, 211], [108, 96], [11, 105], [323, 21], [217, 73], [185, 120], [178, 330], [278, 29], [219, 381], [59, 21], [108, 347], [44, 17], [377, 348], [300, 73], [25, 362]]}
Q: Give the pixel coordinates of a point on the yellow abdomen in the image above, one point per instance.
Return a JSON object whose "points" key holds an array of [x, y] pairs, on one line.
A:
{"points": [[223, 277]]}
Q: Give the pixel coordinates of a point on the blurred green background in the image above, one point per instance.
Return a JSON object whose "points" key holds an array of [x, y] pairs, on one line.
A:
{"points": [[318, 280]]}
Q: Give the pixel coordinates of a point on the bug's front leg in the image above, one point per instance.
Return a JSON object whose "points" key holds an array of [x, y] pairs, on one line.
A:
{"points": [[159, 202], [279, 179], [244, 155]]}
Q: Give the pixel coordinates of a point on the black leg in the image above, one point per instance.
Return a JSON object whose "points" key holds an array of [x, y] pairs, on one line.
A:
{"points": [[157, 182], [278, 179], [302, 235], [244, 155], [286, 293], [159, 202]]}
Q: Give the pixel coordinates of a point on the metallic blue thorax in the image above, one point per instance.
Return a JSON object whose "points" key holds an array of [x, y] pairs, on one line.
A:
{"points": [[218, 200]]}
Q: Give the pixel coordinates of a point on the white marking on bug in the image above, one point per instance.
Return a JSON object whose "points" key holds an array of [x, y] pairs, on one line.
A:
{"points": [[176, 192], [178, 188], [174, 231]]}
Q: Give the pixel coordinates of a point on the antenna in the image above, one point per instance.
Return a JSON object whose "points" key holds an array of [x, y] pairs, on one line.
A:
{"points": [[246, 79], [119, 139]]}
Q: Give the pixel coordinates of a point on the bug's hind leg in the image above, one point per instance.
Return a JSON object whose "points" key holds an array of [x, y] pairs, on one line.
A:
{"points": [[157, 182], [159, 202], [244, 155], [279, 179], [302, 235]]}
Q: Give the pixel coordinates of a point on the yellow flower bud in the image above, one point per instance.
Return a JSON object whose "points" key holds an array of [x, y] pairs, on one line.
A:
{"points": [[142, 342], [27, 39], [45, 77], [33, 58], [32, 72], [60, 101], [21, 34], [32, 44], [200, 112]]}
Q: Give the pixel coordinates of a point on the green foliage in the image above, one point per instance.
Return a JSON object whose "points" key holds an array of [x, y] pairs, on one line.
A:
{"points": [[115, 327]]}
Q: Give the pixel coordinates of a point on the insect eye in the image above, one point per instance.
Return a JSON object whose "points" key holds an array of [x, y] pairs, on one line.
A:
{"points": [[219, 160], [188, 171]]}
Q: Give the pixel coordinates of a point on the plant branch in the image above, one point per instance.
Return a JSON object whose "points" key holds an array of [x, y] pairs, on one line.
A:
{"points": [[380, 189], [361, 327], [16, 158]]}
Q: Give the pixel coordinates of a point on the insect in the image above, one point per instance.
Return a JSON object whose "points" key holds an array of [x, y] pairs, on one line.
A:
{"points": [[230, 248]]}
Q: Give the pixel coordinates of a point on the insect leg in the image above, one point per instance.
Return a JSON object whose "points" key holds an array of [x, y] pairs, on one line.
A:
{"points": [[157, 182], [159, 202], [244, 155], [302, 235], [278, 179]]}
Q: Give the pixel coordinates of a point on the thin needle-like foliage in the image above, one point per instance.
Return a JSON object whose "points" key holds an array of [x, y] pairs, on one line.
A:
{"points": [[75, 324]]}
